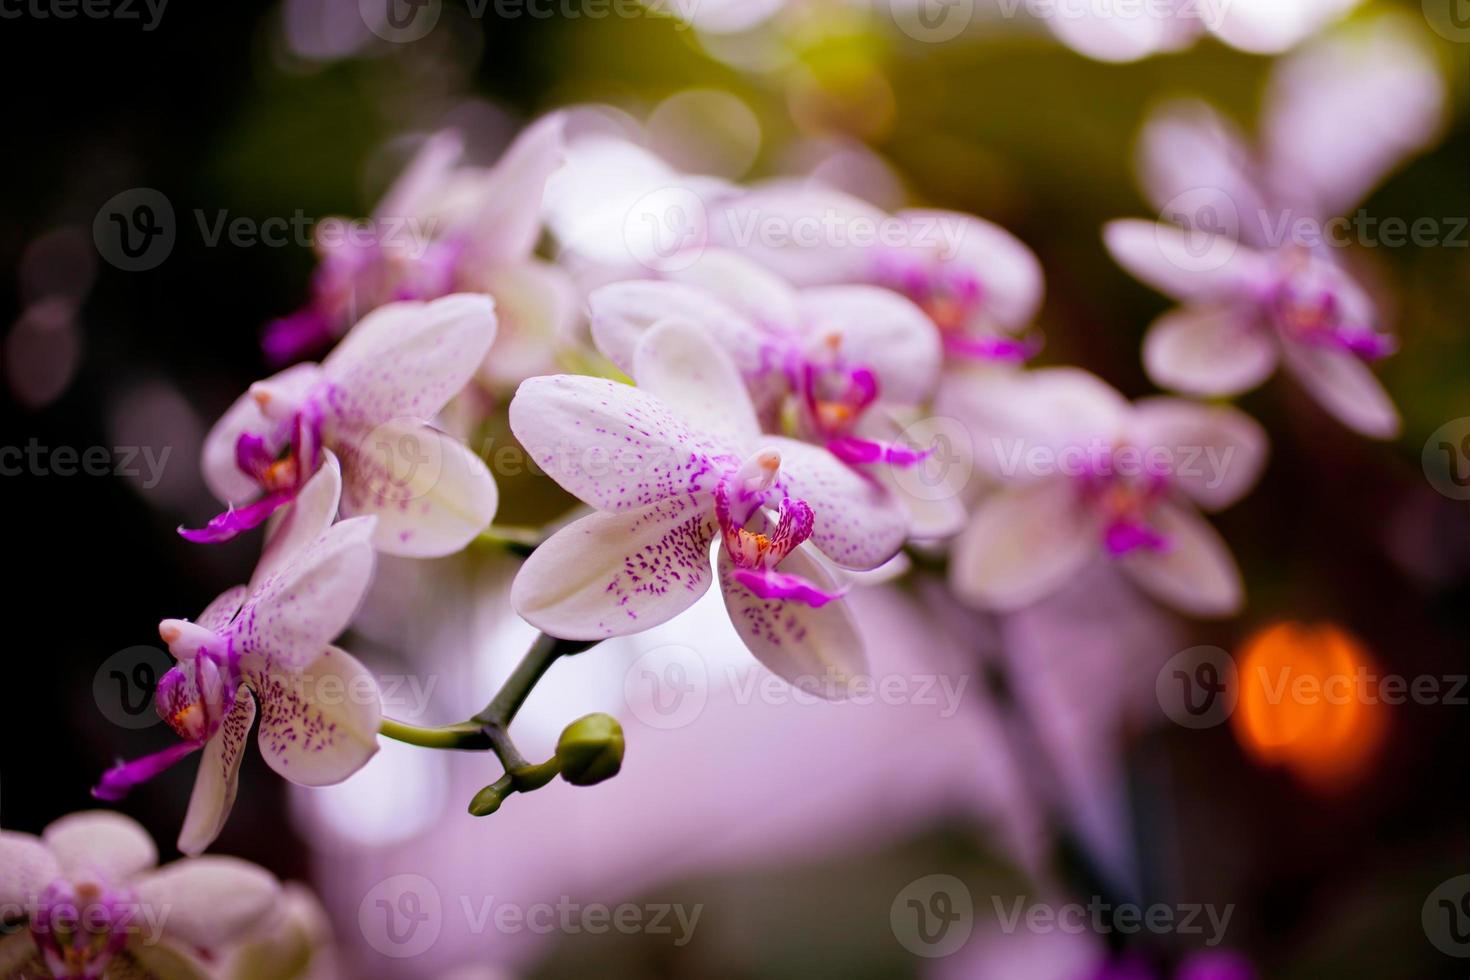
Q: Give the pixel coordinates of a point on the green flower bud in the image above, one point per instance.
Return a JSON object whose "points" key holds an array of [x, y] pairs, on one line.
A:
{"points": [[590, 750]]}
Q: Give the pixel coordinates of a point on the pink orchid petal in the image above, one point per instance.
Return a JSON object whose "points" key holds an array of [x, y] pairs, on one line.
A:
{"points": [[614, 574], [211, 901], [218, 614], [27, 867], [505, 227], [612, 446], [312, 512], [223, 527], [219, 457], [296, 335], [1191, 157], [855, 451], [118, 781], [100, 844], [1203, 265], [767, 583]]}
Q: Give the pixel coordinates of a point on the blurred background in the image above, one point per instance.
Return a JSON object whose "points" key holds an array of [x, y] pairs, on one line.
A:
{"points": [[1041, 769]]}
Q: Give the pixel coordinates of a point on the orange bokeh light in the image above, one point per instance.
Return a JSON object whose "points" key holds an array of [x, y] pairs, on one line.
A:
{"points": [[1309, 701]]}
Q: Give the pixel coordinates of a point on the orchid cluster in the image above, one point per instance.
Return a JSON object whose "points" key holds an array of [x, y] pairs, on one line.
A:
{"points": [[736, 408]]}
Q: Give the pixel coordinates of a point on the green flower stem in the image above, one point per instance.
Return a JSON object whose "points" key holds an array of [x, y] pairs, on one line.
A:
{"points": [[490, 729]]}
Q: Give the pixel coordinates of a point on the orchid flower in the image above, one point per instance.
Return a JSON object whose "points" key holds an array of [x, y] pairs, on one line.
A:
{"points": [[444, 227], [370, 403], [1106, 33], [266, 647], [669, 466], [978, 284], [1083, 473], [837, 366], [92, 905], [1341, 114]]}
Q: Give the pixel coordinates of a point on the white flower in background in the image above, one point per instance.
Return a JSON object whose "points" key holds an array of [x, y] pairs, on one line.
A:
{"points": [[1084, 474]]}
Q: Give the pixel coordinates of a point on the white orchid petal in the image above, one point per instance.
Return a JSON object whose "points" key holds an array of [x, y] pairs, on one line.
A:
{"points": [[1195, 574], [536, 305], [614, 574], [1022, 545], [310, 514], [681, 365], [621, 313], [879, 330], [1203, 265], [100, 844], [1209, 352], [319, 725], [612, 446], [749, 290], [310, 600], [1218, 452], [217, 458], [430, 494], [408, 359], [27, 866], [859, 524], [1346, 387], [219, 777], [1011, 280], [818, 649], [218, 614], [206, 902]]}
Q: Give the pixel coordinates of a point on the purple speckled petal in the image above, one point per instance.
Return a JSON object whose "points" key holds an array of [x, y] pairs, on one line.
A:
{"points": [[817, 648], [218, 777], [859, 524], [430, 493], [318, 725], [407, 360], [223, 527], [615, 574], [217, 615], [122, 777], [299, 609], [612, 446]]}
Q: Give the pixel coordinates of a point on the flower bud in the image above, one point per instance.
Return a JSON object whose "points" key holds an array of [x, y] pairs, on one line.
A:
{"points": [[590, 750]]}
